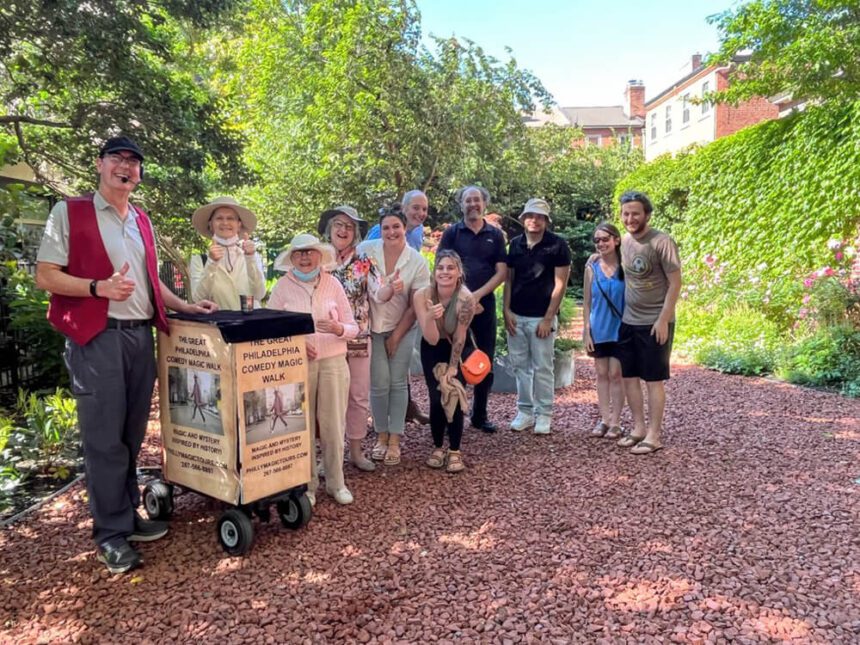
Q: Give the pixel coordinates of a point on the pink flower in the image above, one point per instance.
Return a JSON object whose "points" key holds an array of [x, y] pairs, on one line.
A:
{"points": [[808, 283], [710, 260], [806, 299], [839, 256], [802, 313]]}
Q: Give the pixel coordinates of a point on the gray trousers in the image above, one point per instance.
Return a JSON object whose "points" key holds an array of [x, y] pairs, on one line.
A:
{"points": [[112, 380]]}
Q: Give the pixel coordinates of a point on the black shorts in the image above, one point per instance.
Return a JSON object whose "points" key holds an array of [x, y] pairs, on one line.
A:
{"points": [[605, 350], [641, 356]]}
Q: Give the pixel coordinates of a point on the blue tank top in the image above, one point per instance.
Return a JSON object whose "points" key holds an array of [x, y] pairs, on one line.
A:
{"points": [[604, 323]]}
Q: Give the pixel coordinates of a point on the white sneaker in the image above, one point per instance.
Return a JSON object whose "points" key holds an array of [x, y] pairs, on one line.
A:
{"points": [[542, 425], [342, 496], [522, 421]]}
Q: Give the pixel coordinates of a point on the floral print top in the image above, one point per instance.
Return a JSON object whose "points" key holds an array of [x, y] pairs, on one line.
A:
{"points": [[353, 275]]}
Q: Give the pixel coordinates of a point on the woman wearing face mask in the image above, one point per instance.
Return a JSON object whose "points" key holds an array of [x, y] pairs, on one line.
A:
{"points": [[232, 267], [344, 229], [306, 288], [398, 271]]}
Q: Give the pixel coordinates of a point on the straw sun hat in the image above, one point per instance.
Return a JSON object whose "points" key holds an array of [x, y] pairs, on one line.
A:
{"points": [[301, 242]]}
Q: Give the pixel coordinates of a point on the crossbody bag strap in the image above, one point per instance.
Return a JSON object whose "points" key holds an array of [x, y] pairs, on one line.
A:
{"points": [[594, 269]]}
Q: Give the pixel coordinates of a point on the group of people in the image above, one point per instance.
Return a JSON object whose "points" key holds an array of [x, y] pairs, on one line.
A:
{"points": [[373, 300]]}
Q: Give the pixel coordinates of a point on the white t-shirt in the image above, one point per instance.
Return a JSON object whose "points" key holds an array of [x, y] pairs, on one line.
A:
{"points": [[384, 316]]}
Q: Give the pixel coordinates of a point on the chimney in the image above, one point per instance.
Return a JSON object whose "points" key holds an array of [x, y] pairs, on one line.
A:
{"points": [[696, 62], [634, 99]]}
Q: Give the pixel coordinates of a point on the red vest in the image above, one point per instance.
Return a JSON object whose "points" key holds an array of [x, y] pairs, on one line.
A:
{"points": [[82, 319]]}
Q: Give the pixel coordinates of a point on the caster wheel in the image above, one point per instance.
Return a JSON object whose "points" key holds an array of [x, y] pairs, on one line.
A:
{"points": [[295, 511], [158, 500], [235, 532]]}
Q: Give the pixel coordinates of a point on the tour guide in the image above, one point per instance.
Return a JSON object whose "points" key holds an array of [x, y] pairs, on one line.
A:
{"points": [[98, 260]]}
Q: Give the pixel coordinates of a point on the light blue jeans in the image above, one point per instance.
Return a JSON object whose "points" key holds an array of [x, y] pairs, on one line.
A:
{"points": [[532, 360], [388, 382]]}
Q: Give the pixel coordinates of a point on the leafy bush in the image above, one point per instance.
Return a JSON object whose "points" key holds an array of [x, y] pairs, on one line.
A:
{"points": [[743, 341], [830, 357]]}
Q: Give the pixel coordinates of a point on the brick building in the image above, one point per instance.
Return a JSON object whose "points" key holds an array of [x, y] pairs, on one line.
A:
{"points": [[673, 122]]}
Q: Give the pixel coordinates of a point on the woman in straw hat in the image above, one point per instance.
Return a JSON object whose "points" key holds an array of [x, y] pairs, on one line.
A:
{"points": [[306, 288], [344, 229], [232, 268]]}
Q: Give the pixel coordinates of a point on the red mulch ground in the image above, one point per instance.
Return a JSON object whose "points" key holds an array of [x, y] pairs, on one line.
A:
{"points": [[744, 529]]}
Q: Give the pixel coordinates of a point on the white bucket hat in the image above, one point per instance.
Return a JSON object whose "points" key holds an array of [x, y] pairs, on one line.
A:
{"points": [[304, 241], [538, 206], [200, 218]]}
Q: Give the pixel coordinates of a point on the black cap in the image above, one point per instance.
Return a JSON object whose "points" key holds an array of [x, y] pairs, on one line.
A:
{"points": [[117, 144]]}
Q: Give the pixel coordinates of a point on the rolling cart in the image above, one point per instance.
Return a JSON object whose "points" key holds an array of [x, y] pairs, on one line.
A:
{"points": [[234, 419]]}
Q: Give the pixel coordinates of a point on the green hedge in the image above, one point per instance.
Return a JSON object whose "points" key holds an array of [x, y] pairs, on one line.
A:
{"points": [[761, 205]]}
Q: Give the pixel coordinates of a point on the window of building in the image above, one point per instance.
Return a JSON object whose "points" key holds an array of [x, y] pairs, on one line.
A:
{"points": [[706, 106], [653, 125], [595, 139], [668, 119], [685, 103]]}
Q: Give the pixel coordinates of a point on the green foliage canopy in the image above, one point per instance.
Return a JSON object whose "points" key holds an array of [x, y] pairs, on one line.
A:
{"points": [[810, 48]]}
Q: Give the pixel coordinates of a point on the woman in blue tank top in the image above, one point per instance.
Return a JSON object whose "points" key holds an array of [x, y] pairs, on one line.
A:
{"points": [[603, 305]]}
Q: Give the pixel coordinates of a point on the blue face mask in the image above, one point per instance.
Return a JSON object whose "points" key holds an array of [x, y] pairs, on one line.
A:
{"points": [[306, 277]]}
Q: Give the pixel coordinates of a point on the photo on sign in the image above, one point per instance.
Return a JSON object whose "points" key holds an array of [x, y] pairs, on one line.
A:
{"points": [[195, 399], [274, 412]]}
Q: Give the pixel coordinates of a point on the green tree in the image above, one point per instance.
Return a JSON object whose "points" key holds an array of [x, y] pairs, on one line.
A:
{"points": [[344, 104], [810, 48], [73, 73]]}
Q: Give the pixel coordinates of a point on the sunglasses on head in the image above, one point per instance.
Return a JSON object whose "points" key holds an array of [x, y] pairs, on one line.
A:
{"points": [[598, 240]]}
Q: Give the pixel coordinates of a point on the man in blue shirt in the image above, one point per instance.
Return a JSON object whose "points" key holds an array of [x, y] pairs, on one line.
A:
{"points": [[481, 247], [414, 206]]}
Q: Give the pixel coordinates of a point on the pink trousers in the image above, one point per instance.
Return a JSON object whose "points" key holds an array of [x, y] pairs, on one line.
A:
{"points": [[358, 408]]}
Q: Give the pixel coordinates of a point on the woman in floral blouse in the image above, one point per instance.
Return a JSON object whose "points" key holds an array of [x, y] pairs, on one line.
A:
{"points": [[344, 229]]}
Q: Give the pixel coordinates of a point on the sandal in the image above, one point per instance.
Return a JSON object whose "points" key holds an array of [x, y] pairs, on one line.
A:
{"points": [[378, 452], [645, 448], [614, 432], [455, 461], [437, 458], [629, 441], [392, 455], [600, 430]]}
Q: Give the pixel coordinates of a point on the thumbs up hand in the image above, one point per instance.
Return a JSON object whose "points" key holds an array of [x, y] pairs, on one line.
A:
{"points": [[248, 246], [329, 325], [117, 287], [216, 251], [436, 311], [396, 282]]}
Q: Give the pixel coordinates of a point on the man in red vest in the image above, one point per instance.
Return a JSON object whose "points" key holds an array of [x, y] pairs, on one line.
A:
{"points": [[98, 261]]}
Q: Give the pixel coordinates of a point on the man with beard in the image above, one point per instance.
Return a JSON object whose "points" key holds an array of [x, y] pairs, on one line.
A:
{"points": [[652, 279], [481, 246]]}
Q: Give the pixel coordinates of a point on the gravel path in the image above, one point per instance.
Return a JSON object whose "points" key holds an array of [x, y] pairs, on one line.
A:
{"points": [[744, 529]]}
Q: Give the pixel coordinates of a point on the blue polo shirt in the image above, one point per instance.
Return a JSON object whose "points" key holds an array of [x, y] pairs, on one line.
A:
{"points": [[479, 251]]}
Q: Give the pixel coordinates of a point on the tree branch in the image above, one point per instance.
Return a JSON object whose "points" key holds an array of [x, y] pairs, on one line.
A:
{"points": [[18, 119]]}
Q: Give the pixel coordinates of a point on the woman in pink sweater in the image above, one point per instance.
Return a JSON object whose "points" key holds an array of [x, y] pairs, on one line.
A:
{"points": [[306, 288]]}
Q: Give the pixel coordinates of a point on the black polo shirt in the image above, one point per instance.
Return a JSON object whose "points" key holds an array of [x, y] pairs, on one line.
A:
{"points": [[534, 272], [480, 252]]}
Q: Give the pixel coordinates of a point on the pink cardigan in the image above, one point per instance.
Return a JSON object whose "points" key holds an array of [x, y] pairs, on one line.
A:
{"points": [[328, 299]]}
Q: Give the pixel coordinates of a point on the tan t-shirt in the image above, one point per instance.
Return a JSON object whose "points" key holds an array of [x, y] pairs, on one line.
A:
{"points": [[646, 263]]}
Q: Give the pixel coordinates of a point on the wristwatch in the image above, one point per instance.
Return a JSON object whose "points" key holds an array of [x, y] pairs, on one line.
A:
{"points": [[93, 284]]}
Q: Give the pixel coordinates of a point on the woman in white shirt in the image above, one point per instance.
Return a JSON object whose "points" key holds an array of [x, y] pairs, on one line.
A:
{"points": [[232, 267], [397, 272]]}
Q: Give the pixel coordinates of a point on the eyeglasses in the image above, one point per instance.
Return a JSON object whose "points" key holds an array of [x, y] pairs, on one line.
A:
{"points": [[602, 240], [117, 159], [303, 251], [349, 226]]}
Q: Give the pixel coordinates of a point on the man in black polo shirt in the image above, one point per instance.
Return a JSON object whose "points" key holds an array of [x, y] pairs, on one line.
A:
{"points": [[538, 268], [481, 246]]}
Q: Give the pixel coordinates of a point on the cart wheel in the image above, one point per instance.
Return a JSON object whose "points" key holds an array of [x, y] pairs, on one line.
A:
{"points": [[295, 511], [235, 532], [158, 500]]}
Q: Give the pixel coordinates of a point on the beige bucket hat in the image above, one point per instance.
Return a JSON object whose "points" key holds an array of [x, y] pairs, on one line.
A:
{"points": [[538, 206], [301, 242], [200, 218], [350, 212]]}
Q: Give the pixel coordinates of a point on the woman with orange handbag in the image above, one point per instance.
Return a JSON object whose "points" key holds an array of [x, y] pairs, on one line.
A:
{"points": [[444, 311]]}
